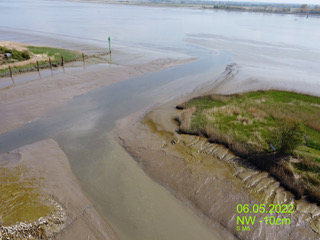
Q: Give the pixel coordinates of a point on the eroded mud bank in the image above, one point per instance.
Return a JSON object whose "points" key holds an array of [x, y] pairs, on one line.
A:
{"points": [[210, 179]]}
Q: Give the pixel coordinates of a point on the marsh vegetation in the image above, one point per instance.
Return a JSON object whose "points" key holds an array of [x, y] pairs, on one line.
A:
{"points": [[12, 55], [18, 60], [276, 131]]}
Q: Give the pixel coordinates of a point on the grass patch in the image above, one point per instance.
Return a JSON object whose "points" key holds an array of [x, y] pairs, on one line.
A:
{"points": [[15, 55], [54, 53], [266, 127]]}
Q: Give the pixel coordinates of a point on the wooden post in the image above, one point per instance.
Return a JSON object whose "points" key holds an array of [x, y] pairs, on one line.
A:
{"points": [[83, 57], [11, 75], [50, 63], [10, 71], [38, 66], [62, 62]]}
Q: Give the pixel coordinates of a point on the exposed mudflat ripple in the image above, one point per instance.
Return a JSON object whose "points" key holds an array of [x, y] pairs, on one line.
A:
{"points": [[260, 185], [215, 181]]}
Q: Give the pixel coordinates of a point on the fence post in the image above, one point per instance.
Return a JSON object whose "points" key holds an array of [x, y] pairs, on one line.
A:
{"points": [[83, 57], [10, 71], [50, 63], [38, 66], [11, 75], [62, 62]]}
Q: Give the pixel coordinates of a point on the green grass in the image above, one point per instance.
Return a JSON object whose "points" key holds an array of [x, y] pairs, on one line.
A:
{"points": [[54, 53], [251, 117], [15, 55], [249, 123]]}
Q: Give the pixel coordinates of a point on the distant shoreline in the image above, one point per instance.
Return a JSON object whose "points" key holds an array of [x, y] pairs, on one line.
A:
{"points": [[294, 9]]}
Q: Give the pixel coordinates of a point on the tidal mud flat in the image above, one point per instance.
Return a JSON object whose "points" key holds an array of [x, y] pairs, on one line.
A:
{"points": [[42, 170], [208, 177], [150, 38], [26, 101], [47, 196]]}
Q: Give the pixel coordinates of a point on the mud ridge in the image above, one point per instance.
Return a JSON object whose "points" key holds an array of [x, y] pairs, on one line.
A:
{"points": [[183, 164]]}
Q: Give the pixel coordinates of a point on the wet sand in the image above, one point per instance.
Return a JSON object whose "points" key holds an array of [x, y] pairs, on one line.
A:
{"points": [[155, 145], [48, 167], [47, 164], [209, 178], [197, 195], [261, 65], [24, 102]]}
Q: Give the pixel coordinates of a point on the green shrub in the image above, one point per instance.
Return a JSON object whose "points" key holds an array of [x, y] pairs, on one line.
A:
{"points": [[287, 136], [249, 123], [15, 54]]}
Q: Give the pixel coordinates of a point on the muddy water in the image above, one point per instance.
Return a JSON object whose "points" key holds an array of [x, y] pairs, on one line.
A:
{"points": [[136, 206]]}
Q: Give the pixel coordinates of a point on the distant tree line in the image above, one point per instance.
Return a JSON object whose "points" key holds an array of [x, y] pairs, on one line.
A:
{"points": [[304, 8], [244, 6], [271, 8]]}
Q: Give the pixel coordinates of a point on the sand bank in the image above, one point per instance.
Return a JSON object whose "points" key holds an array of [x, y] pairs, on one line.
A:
{"points": [[209, 178], [45, 162], [48, 168], [26, 101]]}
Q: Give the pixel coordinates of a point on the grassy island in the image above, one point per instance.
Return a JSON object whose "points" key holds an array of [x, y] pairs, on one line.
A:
{"points": [[24, 59], [276, 131]]}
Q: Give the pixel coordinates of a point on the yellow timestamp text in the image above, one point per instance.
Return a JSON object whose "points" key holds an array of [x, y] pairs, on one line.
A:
{"points": [[262, 208]]}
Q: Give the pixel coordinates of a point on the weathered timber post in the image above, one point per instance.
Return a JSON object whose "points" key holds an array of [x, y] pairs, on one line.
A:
{"points": [[50, 63], [10, 71], [11, 75]]}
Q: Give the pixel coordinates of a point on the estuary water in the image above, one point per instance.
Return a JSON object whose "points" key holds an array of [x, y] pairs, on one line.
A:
{"points": [[136, 207], [156, 27]]}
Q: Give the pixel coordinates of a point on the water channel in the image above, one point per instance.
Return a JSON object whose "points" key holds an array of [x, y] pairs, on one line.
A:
{"points": [[137, 207]]}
